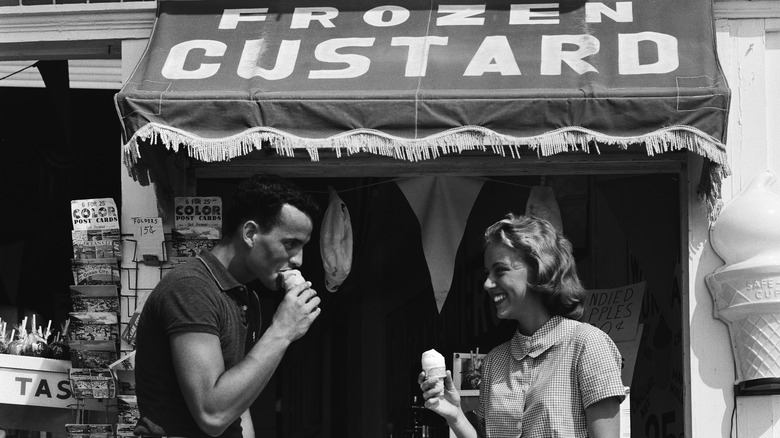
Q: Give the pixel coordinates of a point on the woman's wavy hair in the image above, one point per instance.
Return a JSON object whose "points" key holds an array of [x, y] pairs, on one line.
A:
{"points": [[548, 254]]}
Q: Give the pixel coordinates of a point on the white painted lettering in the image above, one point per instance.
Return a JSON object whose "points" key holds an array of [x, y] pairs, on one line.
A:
{"points": [[326, 51], [397, 15], [419, 47], [623, 12], [285, 60], [553, 54], [461, 15], [302, 17], [528, 14], [231, 17], [174, 64], [493, 55], [628, 53]]}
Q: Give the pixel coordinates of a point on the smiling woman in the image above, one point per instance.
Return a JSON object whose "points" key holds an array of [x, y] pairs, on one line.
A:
{"points": [[565, 374], [529, 253]]}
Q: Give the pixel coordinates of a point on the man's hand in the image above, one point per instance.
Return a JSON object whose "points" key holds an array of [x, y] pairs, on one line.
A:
{"points": [[297, 311]]}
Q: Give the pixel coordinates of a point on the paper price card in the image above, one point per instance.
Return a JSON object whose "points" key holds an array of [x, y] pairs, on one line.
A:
{"points": [[149, 236], [615, 311], [94, 214], [198, 217]]}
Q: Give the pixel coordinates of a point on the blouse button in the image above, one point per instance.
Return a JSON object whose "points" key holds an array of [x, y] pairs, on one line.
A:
{"points": [[245, 307]]}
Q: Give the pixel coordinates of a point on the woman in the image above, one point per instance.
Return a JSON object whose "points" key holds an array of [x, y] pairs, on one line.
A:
{"points": [[556, 377]]}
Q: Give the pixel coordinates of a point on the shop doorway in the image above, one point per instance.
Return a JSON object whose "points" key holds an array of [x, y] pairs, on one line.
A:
{"points": [[354, 373]]}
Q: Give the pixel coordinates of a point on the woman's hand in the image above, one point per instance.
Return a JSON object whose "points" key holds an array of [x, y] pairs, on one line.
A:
{"points": [[442, 399]]}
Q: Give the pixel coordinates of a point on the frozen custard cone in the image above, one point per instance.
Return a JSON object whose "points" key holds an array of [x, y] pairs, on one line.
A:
{"points": [[291, 278], [434, 366]]}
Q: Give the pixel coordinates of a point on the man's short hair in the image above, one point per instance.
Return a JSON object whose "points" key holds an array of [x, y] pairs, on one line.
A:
{"points": [[260, 198]]}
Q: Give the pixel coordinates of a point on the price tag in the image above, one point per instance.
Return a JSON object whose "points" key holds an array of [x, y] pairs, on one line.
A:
{"points": [[149, 236]]}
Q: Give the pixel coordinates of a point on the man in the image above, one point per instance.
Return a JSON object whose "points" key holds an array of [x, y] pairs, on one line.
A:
{"points": [[198, 367]]}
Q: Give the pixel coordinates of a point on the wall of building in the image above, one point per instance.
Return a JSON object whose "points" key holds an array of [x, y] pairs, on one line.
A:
{"points": [[748, 40]]}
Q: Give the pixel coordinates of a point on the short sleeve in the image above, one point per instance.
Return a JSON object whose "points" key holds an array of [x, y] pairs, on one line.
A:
{"points": [[599, 367], [484, 393], [484, 389], [190, 305]]}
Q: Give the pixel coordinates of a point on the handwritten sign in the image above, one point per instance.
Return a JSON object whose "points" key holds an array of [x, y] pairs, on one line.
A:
{"points": [[615, 311], [149, 236], [629, 351]]}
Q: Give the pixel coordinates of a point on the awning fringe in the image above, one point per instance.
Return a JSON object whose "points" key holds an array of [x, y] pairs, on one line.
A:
{"points": [[456, 140]]}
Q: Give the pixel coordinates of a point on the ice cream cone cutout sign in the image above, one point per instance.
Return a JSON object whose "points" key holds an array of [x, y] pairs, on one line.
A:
{"points": [[746, 290]]}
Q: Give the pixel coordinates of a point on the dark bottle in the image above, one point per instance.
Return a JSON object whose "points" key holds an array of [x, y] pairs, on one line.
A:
{"points": [[417, 428]]}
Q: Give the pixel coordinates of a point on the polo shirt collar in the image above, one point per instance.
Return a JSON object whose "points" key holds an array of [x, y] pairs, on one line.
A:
{"points": [[224, 279], [551, 332]]}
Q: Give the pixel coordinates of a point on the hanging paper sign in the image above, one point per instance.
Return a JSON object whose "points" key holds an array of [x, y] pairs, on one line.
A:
{"points": [[615, 311], [149, 237], [94, 214], [199, 216], [197, 224]]}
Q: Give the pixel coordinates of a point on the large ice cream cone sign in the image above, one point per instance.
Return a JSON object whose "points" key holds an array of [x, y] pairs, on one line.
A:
{"points": [[746, 290]]}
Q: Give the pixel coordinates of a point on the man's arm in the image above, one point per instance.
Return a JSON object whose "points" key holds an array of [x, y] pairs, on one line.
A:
{"points": [[217, 397]]}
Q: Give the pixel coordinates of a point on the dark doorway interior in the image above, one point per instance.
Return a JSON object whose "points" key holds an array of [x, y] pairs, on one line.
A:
{"points": [[57, 145]]}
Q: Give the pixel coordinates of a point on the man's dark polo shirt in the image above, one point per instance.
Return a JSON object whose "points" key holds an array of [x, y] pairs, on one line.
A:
{"points": [[199, 296]]}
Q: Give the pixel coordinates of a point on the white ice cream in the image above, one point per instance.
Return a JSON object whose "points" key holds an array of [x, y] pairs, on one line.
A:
{"points": [[291, 278], [433, 364]]}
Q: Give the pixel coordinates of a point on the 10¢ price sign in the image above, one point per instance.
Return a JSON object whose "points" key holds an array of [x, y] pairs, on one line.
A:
{"points": [[615, 311]]}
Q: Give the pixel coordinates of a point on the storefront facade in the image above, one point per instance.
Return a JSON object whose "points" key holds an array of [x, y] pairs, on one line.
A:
{"points": [[747, 35]]}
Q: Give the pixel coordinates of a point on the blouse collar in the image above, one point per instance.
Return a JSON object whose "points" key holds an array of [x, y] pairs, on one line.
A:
{"points": [[551, 332]]}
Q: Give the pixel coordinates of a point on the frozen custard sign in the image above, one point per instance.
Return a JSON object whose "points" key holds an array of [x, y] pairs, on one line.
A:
{"points": [[509, 43]]}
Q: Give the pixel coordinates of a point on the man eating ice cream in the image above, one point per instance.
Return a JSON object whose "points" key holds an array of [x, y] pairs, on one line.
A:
{"points": [[199, 362]]}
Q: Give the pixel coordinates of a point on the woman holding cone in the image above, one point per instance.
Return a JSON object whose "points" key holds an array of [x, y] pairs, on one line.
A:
{"points": [[556, 377]]}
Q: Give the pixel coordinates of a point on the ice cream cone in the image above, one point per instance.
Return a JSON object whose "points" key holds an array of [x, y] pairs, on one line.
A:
{"points": [[291, 278], [434, 366], [746, 290]]}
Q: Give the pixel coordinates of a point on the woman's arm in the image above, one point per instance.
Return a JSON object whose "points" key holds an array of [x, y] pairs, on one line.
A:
{"points": [[603, 418], [445, 401]]}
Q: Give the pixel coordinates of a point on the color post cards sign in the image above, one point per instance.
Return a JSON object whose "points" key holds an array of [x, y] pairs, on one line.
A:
{"points": [[199, 216], [615, 311], [94, 214], [197, 224]]}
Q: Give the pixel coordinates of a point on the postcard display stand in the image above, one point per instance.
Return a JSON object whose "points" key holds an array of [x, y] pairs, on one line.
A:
{"points": [[197, 225], [93, 326]]}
